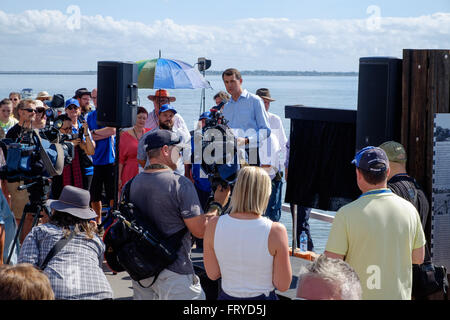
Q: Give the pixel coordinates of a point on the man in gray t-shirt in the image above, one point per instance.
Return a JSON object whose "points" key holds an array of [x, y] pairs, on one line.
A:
{"points": [[170, 201], [167, 198]]}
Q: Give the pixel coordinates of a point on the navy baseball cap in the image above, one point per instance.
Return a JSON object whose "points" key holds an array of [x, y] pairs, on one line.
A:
{"points": [[159, 138], [205, 115], [369, 159], [167, 107], [72, 101]]}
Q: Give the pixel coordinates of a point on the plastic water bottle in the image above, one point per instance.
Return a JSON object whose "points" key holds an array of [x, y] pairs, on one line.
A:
{"points": [[303, 242]]}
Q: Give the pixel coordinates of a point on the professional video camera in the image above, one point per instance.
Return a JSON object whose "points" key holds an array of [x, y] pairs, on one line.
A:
{"points": [[37, 153], [219, 152]]}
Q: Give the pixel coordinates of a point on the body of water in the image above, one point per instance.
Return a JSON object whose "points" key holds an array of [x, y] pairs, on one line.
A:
{"points": [[322, 92]]}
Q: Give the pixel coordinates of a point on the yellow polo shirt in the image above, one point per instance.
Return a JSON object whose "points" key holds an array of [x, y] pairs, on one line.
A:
{"points": [[377, 234]]}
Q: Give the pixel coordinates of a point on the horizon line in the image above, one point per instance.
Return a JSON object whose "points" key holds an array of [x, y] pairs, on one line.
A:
{"points": [[207, 71]]}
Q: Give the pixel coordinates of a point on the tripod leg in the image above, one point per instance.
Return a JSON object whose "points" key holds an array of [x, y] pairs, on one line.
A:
{"points": [[17, 235]]}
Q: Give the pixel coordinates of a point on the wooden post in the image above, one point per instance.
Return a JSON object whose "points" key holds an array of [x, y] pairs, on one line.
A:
{"points": [[426, 91]]}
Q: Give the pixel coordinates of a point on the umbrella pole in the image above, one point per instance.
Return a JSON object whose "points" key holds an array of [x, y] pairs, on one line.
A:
{"points": [[203, 100]]}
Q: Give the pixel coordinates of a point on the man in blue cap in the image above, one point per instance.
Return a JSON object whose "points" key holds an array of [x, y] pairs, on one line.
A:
{"points": [[166, 121], [379, 234], [170, 201]]}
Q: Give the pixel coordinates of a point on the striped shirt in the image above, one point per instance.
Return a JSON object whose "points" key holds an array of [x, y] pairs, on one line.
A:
{"points": [[75, 272]]}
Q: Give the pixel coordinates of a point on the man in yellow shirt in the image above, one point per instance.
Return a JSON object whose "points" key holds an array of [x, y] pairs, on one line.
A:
{"points": [[379, 234]]}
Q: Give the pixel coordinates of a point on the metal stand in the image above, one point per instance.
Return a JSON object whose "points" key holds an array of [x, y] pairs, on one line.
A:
{"points": [[116, 173], [37, 190], [294, 227]]}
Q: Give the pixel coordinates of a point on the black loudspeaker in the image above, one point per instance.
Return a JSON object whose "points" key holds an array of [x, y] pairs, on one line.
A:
{"points": [[117, 93], [322, 146], [379, 101]]}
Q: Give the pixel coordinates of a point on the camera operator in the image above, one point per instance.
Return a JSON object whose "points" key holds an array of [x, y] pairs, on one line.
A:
{"points": [[160, 187], [26, 110], [220, 97], [79, 172]]}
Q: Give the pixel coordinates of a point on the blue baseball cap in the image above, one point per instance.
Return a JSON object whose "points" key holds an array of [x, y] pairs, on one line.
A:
{"points": [[72, 101], [167, 107], [371, 159], [205, 115], [159, 138]]}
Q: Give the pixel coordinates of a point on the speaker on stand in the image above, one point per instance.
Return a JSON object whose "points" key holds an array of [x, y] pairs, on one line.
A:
{"points": [[379, 101], [117, 99]]}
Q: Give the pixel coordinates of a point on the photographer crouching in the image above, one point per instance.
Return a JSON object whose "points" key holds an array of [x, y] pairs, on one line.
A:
{"points": [[170, 201]]}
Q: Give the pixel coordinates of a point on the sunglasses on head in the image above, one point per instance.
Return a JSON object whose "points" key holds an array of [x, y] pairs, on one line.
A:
{"points": [[72, 106]]}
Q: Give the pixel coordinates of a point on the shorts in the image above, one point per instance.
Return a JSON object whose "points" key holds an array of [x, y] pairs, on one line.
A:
{"points": [[18, 198], [103, 177], [169, 286]]}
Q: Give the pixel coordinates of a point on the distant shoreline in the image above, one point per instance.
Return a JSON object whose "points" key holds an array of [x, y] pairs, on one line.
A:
{"points": [[245, 72]]}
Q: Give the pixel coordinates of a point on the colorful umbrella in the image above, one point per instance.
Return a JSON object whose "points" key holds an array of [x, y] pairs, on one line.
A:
{"points": [[169, 74]]}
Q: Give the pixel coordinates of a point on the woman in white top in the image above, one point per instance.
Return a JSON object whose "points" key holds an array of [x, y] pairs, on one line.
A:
{"points": [[249, 252]]}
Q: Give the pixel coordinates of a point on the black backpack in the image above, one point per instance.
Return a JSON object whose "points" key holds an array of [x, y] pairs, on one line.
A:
{"points": [[136, 246]]}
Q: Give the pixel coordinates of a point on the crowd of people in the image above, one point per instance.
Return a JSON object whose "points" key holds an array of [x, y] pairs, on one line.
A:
{"points": [[373, 242]]}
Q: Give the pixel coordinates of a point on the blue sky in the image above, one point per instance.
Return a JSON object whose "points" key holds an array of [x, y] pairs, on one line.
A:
{"points": [[209, 12], [322, 35]]}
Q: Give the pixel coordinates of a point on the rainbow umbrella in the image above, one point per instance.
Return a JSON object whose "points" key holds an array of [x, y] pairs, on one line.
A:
{"points": [[169, 74]]}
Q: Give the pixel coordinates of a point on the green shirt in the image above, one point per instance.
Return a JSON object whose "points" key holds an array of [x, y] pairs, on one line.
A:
{"points": [[377, 234], [6, 126]]}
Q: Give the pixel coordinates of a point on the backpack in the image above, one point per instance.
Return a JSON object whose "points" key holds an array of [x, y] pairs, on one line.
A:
{"points": [[136, 246]]}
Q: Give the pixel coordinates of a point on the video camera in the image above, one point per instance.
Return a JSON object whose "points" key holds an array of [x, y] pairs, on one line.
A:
{"points": [[219, 142], [37, 153]]}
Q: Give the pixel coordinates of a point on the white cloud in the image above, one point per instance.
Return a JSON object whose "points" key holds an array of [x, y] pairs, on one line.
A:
{"points": [[43, 40]]}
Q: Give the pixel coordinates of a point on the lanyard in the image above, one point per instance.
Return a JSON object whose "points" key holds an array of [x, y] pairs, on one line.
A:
{"points": [[375, 192]]}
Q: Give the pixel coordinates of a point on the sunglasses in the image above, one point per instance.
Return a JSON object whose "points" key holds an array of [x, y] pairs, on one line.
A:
{"points": [[40, 109], [29, 109], [178, 149], [15, 99], [72, 106]]}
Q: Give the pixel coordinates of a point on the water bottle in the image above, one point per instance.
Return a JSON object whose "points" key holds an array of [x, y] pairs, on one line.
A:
{"points": [[303, 242]]}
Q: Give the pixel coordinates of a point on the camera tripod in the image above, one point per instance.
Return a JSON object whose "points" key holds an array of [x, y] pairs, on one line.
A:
{"points": [[37, 190]]}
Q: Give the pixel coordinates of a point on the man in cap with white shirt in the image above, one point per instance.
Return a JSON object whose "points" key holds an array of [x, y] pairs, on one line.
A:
{"points": [[272, 152]]}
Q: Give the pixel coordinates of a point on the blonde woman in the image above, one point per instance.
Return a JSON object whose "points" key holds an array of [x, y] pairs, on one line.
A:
{"points": [[249, 252]]}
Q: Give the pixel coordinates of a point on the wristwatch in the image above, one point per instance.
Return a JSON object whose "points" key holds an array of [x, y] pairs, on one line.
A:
{"points": [[216, 205]]}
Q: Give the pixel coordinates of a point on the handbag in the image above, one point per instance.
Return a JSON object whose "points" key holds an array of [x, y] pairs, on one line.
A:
{"points": [[428, 279]]}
